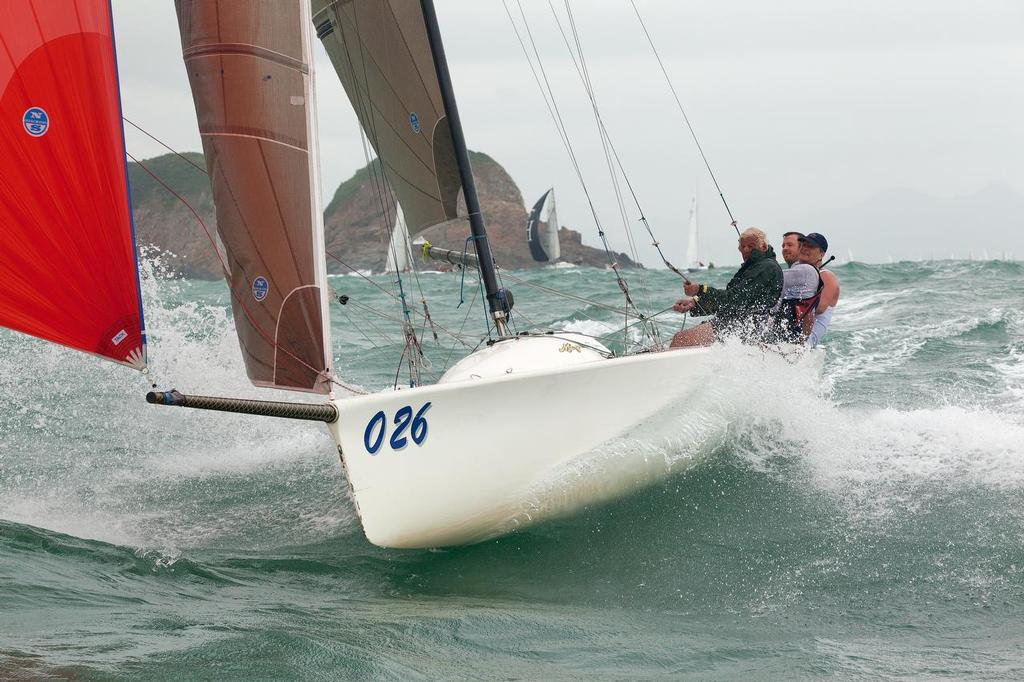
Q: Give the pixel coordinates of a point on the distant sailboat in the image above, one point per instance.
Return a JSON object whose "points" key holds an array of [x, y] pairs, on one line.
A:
{"points": [[542, 230], [849, 256], [693, 259]]}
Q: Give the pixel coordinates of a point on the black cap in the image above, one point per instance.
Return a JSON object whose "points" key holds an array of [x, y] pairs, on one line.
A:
{"points": [[815, 239]]}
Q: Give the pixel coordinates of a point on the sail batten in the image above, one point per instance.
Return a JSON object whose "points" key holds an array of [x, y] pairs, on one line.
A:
{"points": [[68, 263], [251, 74]]}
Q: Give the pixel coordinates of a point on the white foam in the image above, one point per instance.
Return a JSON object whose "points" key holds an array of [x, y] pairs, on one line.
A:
{"points": [[84, 454], [878, 460]]}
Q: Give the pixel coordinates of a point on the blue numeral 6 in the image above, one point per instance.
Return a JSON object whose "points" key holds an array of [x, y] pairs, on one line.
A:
{"points": [[419, 426]]}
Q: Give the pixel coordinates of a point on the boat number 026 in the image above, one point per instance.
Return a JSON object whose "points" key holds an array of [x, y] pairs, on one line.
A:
{"points": [[404, 421]]}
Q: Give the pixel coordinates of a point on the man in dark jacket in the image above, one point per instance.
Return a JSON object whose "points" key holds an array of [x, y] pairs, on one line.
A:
{"points": [[743, 306]]}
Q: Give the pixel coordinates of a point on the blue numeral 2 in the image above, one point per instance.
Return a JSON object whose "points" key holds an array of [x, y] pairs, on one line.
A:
{"points": [[402, 419]]}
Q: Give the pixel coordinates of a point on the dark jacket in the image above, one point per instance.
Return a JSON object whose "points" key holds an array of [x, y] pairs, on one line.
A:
{"points": [[753, 290]]}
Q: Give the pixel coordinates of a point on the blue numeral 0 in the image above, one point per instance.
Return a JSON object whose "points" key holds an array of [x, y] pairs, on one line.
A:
{"points": [[378, 422]]}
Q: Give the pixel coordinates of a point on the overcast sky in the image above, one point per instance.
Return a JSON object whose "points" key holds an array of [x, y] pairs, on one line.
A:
{"points": [[801, 105]]}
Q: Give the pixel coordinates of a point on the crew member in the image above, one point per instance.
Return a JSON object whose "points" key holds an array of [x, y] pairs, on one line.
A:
{"points": [[812, 250], [791, 247], [743, 306], [793, 315]]}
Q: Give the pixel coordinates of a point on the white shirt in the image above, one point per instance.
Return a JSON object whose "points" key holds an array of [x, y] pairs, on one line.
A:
{"points": [[799, 282], [819, 328]]}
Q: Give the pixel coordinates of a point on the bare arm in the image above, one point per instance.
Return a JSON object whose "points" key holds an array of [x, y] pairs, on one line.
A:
{"points": [[829, 291]]}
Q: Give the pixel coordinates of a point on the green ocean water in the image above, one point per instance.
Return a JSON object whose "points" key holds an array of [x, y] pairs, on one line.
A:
{"points": [[867, 525]]}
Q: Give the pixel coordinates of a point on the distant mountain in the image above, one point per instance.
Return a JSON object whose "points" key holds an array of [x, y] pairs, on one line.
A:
{"points": [[356, 229], [163, 221], [907, 225]]}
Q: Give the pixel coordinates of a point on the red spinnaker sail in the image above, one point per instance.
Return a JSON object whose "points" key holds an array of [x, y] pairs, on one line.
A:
{"points": [[67, 254]]}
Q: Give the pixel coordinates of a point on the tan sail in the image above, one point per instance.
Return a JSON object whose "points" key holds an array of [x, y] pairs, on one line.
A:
{"points": [[250, 69], [382, 55]]}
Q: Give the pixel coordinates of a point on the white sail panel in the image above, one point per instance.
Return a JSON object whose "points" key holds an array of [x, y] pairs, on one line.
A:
{"points": [[399, 249], [692, 246]]}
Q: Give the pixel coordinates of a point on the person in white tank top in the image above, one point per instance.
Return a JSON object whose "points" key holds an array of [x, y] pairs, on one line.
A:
{"points": [[812, 251]]}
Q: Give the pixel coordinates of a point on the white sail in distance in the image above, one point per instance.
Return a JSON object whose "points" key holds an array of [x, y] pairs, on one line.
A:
{"points": [[693, 261], [399, 250]]}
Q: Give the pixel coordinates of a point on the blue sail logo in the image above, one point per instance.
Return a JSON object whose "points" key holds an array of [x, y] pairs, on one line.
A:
{"points": [[414, 121], [36, 121], [260, 288]]}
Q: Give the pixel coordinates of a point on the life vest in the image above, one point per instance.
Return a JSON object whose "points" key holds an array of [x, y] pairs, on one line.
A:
{"points": [[795, 311]]}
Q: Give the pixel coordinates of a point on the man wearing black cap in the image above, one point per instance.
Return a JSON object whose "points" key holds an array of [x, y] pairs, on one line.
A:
{"points": [[812, 250]]}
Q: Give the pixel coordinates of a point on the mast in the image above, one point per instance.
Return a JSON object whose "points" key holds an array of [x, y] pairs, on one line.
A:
{"points": [[496, 298]]}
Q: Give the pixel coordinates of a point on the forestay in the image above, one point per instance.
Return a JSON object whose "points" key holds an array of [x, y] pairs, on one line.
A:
{"points": [[67, 259], [382, 55], [542, 235], [250, 70]]}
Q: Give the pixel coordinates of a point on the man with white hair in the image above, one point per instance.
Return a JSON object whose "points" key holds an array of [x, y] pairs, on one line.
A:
{"points": [[745, 303]]}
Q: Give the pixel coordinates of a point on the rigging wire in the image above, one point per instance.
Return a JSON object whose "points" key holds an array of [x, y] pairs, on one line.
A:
{"points": [[679, 105], [458, 338], [581, 69], [451, 352], [202, 170], [552, 106], [227, 275], [606, 143], [618, 161], [165, 146], [386, 293], [384, 196]]}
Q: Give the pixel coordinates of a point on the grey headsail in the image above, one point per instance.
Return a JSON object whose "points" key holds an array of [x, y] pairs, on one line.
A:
{"points": [[250, 70], [381, 52], [542, 231]]}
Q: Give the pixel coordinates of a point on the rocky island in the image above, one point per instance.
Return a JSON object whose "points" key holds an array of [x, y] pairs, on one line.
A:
{"points": [[357, 229]]}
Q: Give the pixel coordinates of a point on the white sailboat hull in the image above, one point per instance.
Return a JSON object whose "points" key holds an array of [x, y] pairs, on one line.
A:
{"points": [[503, 452]]}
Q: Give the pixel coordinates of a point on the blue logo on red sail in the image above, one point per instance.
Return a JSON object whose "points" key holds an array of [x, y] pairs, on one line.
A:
{"points": [[260, 288], [414, 121], [36, 121]]}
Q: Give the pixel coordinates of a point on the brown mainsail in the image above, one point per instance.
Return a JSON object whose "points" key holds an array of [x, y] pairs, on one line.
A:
{"points": [[250, 69], [381, 53]]}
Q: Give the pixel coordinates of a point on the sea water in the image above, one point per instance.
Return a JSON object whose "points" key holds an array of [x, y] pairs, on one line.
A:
{"points": [[865, 523]]}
